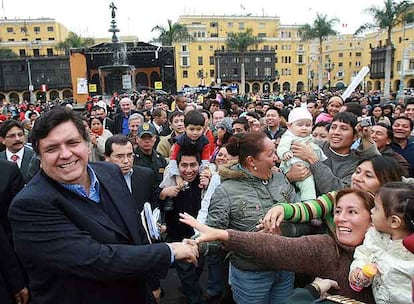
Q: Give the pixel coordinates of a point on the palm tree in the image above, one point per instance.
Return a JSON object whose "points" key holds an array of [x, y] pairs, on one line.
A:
{"points": [[321, 28], [175, 32], [240, 42], [74, 41], [391, 15]]}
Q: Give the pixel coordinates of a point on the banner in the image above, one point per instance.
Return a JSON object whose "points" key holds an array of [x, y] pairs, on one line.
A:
{"points": [[82, 86]]}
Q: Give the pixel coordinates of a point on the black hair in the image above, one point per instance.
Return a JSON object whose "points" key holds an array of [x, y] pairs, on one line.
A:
{"points": [[390, 134], [243, 121], [207, 112], [186, 152], [387, 169], [245, 145], [276, 109], [194, 118], [405, 118], [118, 139], [325, 124], [348, 118], [92, 118], [354, 107], [174, 114], [53, 118], [8, 124], [398, 198], [157, 112]]}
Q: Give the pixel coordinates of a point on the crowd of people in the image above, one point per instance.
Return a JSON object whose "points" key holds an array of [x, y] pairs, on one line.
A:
{"points": [[285, 197]]}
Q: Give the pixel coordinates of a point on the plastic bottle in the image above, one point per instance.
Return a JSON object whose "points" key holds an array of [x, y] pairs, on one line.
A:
{"points": [[364, 279]]}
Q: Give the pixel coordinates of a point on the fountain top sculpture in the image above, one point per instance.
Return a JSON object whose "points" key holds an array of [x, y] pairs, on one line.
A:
{"points": [[113, 29]]}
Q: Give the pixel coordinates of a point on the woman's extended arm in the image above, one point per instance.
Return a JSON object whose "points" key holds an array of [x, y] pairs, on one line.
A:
{"points": [[314, 255], [320, 208]]}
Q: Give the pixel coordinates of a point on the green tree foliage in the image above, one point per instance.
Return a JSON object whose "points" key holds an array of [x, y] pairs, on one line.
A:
{"points": [[74, 41], [174, 32], [240, 42], [386, 18], [7, 53], [320, 29]]}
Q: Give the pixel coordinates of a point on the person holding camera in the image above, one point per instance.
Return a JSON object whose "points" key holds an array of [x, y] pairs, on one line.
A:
{"points": [[185, 198], [335, 172]]}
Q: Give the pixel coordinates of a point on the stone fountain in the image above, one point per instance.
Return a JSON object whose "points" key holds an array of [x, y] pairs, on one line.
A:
{"points": [[119, 76]]}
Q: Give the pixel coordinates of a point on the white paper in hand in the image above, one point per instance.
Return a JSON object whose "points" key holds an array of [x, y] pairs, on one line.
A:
{"points": [[151, 218]]}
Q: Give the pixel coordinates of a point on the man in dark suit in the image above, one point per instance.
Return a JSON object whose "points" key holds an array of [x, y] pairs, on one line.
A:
{"points": [[107, 122], [12, 284], [12, 134], [141, 181], [76, 228]]}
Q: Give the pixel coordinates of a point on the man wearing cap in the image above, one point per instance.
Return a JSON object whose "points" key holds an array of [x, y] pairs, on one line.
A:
{"points": [[145, 153]]}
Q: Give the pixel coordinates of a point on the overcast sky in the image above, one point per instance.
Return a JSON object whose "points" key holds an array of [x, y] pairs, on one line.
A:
{"points": [[90, 18]]}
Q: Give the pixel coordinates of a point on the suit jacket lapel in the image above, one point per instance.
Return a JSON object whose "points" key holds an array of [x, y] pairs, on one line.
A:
{"points": [[123, 201]]}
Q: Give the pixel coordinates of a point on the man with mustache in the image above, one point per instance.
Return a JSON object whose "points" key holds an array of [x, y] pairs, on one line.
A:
{"points": [[12, 135]]}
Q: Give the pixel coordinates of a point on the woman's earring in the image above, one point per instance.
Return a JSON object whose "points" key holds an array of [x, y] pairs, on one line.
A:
{"points": [[255, 168]]}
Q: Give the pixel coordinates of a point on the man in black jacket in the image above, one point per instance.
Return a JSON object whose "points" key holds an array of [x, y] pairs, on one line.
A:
{"points": [[12, 283], [76, 228]]}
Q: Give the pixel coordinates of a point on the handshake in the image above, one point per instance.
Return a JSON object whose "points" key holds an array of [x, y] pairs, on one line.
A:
{"points": [[187, 251]]}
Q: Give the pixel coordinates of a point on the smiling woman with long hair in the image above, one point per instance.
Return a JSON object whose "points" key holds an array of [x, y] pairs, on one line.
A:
{"points": [[321, 255]]}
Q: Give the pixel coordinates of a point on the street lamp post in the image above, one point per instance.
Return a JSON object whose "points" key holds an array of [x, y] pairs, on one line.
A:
{"points": [[312, 75], [329, 67], [29, 71]]}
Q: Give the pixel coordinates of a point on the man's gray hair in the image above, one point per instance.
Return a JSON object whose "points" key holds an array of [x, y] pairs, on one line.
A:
{"points": [[136, 116]]}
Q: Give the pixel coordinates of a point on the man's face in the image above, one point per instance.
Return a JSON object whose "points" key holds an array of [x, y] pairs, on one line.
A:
{"points": [[133, 126], [146, 143], [181, 103], [14, 139], [238, 128], [188, 168], [217, 116], [311, 108], [214, 107], [125, 106], [401, 129], [379, 135], [177, 124], [272, 118], [341, 136], [148, 104], [123, 156], [163, 118], [409, 111], [64, 155], [100, 113]]}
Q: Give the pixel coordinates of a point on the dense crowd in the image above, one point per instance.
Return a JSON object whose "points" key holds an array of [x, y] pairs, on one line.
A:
{"points": [[286, 197]]}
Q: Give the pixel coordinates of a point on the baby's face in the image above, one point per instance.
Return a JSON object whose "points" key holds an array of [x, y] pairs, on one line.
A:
{"points": [[301, 128]]}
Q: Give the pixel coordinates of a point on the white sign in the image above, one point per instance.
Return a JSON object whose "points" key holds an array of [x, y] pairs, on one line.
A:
{"points": [[126, 82], [82, 85]]}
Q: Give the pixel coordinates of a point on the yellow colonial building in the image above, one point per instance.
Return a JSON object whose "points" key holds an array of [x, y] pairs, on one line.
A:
{"points": [[296, 65], [32, 37]]}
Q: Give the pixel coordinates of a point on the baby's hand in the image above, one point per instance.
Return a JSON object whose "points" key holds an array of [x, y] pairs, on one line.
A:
{"points": [[355, 275], [288, 155], [179, 181]]}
